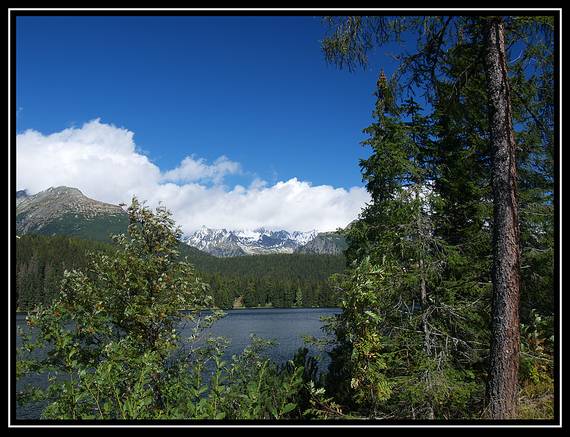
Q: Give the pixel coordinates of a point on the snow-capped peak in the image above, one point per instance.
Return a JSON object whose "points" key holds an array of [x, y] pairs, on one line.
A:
{"points": [[223, 242], [304, 237]]}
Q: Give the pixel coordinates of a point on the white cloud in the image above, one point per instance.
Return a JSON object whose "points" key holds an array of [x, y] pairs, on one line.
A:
{"points": [[192, 170], [102, 161], [99, 159]]}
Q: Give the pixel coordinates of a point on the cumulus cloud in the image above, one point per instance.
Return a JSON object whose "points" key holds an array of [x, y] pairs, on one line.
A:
{"points": [[99, 159], [102, 161], [193, 169]]}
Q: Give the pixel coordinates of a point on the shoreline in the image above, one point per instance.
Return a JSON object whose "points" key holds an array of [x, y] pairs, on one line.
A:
{"points": [[23, 313]]}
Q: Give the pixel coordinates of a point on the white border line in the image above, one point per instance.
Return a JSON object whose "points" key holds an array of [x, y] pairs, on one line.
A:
{"points": [[340, 425]]}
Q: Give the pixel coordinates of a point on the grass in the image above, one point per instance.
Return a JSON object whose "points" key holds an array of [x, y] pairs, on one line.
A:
{"points": [[536, 400]]}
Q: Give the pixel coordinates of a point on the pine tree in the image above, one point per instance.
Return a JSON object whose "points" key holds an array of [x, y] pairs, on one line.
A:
{"points": [[505, 344], [400, 338], [436, 69]]}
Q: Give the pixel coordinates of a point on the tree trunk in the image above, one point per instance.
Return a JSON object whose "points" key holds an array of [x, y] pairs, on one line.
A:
{"points": [[505, 335], [423, 297], [427, 347], [423, 287]]}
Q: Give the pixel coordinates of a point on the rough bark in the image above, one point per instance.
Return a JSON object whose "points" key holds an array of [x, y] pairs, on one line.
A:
{"points": [[505, 335]]}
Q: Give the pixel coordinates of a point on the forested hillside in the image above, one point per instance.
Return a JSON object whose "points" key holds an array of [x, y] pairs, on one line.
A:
{"points": [[280, 280], [40, 263]]}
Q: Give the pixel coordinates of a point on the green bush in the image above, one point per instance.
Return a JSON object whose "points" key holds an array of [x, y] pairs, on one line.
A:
{"points": [[111, 346]]}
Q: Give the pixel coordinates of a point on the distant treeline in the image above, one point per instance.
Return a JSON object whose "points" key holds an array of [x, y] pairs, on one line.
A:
{"points": [[280, 280]]}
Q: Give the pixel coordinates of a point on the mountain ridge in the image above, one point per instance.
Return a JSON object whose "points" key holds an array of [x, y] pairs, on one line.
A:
{"points": [[259, 241], [330, 243], [67, 211]]}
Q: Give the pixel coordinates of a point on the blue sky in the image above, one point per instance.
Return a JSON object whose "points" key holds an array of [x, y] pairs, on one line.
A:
{"points": [[234, 122], [256, 89]]}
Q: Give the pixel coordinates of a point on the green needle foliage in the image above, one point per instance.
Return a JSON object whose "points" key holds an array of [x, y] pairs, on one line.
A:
{"points": [[406, 340], [413, 338]]}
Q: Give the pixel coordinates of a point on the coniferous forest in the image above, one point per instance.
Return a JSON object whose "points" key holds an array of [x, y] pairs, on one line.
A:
{"points": [[447, 290], [281, 280]]}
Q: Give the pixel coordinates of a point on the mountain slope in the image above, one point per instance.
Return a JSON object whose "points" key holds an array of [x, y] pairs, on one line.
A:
{"points": [[217, 242], [330, 243], [21, 196], [261, 241], [67, 211]]}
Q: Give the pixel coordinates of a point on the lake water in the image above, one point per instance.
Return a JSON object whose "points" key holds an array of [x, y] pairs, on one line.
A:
{"points": [[287, 326]]}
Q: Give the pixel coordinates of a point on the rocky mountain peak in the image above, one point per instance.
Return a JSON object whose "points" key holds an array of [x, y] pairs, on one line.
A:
{"points": [[60, 206], [259, 241]]}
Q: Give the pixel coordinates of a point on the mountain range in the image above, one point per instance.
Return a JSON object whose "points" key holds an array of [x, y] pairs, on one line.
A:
{"points": [[261, 241], [67, 211]]}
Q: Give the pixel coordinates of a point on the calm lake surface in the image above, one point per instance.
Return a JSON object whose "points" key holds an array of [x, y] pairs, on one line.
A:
{"points": [[287, 326]]}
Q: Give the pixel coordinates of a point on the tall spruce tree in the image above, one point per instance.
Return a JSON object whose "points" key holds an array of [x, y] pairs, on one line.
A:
{"points": [[433, 68], [404, 340]]}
